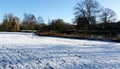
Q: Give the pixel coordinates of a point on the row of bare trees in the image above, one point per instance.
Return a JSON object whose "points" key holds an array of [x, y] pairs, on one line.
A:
{"points": [[31, 23], [12, 23], [89, 12]]}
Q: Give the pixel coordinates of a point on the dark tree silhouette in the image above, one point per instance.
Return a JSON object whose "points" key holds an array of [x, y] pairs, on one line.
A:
{"points": [[87, 9], [108, 16], [60, 25], [82, 23]]}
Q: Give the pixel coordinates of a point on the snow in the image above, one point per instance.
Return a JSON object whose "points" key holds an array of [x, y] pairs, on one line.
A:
{"points": [[29, 51]]}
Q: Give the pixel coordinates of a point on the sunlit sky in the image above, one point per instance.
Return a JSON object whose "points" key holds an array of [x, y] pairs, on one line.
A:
{"points": [[49, 9]]}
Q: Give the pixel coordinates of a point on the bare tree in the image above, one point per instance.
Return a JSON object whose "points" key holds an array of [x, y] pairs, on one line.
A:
{"points": [[29, 21], [40, 20], [107, 16], [87, 9]]}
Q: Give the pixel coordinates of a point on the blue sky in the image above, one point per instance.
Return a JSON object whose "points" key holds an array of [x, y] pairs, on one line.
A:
{"points": [[48, 9]]}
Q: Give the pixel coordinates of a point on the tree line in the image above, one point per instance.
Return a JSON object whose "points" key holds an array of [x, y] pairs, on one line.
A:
{"points": [[89, 15], [30, 23]]}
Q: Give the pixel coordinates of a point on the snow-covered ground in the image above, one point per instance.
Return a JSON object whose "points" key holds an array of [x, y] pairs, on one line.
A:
{"points": [[28, 51]]}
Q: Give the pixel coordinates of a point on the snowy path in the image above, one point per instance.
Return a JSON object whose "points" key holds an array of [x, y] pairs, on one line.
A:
{"points": [[22, 51]]}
